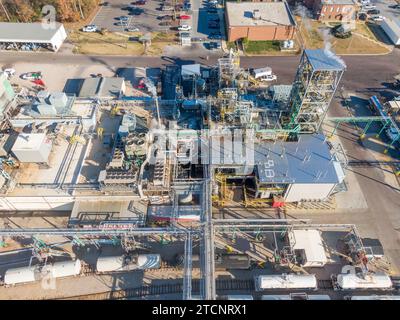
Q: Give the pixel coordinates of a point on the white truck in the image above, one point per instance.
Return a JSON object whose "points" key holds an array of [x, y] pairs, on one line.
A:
{"points": [[264, 74]]}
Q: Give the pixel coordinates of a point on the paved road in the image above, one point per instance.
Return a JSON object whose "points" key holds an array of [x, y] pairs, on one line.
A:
{"points": [[366, 74]]}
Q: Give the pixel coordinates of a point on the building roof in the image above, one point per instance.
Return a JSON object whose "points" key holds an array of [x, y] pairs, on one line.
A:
{"points": [[190, 70], [305, 161], [101, 87], [27, 32], [311, 242], [272, 14], [29, 141], [324, 60]]}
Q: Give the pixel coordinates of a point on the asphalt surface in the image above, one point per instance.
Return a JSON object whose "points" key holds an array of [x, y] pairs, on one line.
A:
{"points": [[365, 74]]}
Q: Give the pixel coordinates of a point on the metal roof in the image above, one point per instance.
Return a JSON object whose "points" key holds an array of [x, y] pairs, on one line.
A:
{"points": [[306, 161], [26, 32], [324, 60], [101, 87]]}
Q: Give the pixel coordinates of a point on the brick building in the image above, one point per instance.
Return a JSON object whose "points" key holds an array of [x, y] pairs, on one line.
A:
{"points": [[335, 10], [259, 21]]}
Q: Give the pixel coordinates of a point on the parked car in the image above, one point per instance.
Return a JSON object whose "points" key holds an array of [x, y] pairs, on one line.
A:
{"points": [[184, 27], [362, 16], [132, 29], [167, 8], [214, 45], [140, 2], [90, 28], [187, 6], [184, 17], [377, 18], [369, 7], [364, 2], [105, 4], [215, 35], [374, 11], [123, 18], [395, 6], [36, 75]]}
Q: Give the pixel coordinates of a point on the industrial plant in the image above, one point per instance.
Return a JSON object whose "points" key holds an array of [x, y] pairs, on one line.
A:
{"points": [[148, 181]]}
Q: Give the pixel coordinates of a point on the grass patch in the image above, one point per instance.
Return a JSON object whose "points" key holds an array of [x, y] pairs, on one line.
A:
{"points": [[114, 43], [358, 43], [261, 46]]}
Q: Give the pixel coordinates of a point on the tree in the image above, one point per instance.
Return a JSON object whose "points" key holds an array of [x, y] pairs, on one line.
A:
{"points": [[24, 11]]}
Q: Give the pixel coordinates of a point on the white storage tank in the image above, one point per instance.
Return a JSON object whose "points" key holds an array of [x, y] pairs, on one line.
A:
{"points": [[32, 147], [377, 280], [127, 263], [58, 99], [110, 264], [21, 275], [286, 281], [63, 269]]}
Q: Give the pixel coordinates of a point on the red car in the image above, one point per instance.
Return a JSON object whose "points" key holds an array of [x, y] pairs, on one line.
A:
{"points": [[184, 17], [140, 3]]}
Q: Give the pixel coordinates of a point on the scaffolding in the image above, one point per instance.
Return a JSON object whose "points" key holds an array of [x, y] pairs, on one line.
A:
{"points": [[315, 84], [229, 68]]}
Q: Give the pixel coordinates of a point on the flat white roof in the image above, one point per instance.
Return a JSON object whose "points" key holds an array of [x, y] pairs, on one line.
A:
{"points": [[311, 242], [29, 141], [272, 14], [27, 32]]}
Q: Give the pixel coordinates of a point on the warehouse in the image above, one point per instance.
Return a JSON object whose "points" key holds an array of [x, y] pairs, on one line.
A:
{"points": [[392, 29], [31, 36], [259, 21]]}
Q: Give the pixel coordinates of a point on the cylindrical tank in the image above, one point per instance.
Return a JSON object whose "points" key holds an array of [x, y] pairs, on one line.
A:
{"points": [[378, 280], [21, 275], [110, 264], [286, 281], [128, 262], [63, 269]]}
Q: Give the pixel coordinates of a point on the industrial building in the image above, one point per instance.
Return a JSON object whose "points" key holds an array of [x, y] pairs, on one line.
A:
{"points": [[31, 36], [392, 30], [259, 21], [333, 10], [143, 179]]}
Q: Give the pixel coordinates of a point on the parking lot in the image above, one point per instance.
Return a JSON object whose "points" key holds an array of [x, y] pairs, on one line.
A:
{"points": [[145, 17]]}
